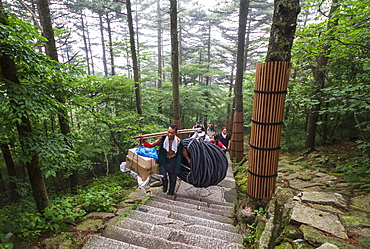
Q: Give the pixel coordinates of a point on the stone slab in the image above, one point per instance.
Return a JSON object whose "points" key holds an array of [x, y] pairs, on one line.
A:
{"points": [[324, 198], [361, 203], [318, 219]]}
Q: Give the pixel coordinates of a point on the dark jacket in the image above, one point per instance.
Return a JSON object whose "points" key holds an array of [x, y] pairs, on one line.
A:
{"points": [[162, 155]]}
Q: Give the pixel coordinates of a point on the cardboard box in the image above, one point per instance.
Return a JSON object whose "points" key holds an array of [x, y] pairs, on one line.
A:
{"points": [[143, 166]]}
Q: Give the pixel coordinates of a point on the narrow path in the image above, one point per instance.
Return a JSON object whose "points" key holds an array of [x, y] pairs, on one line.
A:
{"points": [[193, 218]]}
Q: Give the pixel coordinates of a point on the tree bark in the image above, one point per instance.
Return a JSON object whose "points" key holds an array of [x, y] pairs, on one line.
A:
{"points": [[86, 48], [134, 58], [238, 145], [175, 60], [103, 44], [11, 170], [282, 30], [319, 77], [110, 46], [159, 56]]}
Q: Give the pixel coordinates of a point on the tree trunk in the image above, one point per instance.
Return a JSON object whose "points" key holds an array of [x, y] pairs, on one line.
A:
{"points": [[208, 55], [103, 44], [86, 48], [175, 60], [271, 84], [229, 111], [282, 30], [238, 127], [319, 77], [11, 170], [51, 51], [8, 70], [134, 58], [159, 56], [110, 45]]}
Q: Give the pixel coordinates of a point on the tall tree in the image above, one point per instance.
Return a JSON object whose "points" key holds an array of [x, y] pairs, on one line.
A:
{"points": [[159, 51], [319, 80], [238, 146], [10, 75], [10, 166], [175, 62], [134, 57], [51, 51]]}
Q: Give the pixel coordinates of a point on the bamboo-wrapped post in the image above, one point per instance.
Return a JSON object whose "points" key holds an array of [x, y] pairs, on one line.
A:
{"points": [[267, 119], [271, 84]]}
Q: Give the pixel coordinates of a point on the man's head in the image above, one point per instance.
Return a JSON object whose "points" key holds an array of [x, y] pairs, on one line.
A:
{"points": [[172, 131], [224, 130], [199, 122]]}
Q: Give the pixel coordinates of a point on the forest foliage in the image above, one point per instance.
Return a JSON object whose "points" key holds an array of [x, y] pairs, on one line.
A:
{"points": [[97, 82]]}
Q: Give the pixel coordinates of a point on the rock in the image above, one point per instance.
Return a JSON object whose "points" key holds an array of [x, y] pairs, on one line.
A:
{"points": [[325, 179], [326, 208], [284, 245], [290, 232], [57, 242], [324, 198], [299, 184], [364, 241], [307, 175], [321, 220], [361, 203], [100, 215], [316, 238], [354, 220], [90, 224], [328, 246], [270, 223]]}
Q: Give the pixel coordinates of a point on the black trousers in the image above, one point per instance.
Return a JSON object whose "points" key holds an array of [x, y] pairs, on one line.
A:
{"points": [[169, 168]]}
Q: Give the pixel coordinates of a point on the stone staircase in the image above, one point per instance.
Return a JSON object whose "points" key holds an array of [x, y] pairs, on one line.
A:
{"points": [[193, 218]]}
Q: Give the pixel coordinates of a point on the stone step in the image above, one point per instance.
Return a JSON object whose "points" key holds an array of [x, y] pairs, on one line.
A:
{"points": [[201, 201], [176, 234], [143, 239], [191, 228], [99, 242], [172, 218], [174, 212], [202, 206], [193, 211], [227, 182]]}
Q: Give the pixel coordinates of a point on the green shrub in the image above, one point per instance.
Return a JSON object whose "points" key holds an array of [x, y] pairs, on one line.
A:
{"points": [[23, 219]]}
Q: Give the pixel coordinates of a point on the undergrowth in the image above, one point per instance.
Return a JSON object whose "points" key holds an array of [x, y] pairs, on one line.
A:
{"points": [[23, 219]]}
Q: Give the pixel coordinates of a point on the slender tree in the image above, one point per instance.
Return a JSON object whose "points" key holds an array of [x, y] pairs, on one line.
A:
{"points": [[159, 51], [175, 61], [319, 77], [12, 173], [51, 51], [9, 73], [238, 146], [134, 57]]}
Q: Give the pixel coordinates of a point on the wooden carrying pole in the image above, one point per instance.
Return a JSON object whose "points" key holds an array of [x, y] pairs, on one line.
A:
{"points": [[159, 134], [271, 85]]}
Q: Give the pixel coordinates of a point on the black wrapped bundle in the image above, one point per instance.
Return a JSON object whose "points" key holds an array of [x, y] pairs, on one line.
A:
{"points": [[208, 164]]}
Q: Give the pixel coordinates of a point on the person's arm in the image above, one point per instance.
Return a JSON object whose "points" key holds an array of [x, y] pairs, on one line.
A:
{"points": [[229, 143], [186, 155], [150, 145], [222, 146]]}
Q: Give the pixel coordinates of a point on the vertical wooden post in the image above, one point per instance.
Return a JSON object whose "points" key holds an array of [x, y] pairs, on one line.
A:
{"points": [[178, 123], [271, 85]]}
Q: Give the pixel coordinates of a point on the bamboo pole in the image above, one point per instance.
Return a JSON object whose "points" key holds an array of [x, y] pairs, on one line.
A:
{"points": [[164, 133]]}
